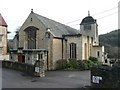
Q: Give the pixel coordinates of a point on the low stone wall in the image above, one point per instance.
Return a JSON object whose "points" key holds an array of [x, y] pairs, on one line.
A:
{"points": [[4, 57], [105, 77], [27, 68]]}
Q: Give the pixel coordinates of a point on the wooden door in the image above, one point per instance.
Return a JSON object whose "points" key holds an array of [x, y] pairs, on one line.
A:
{"points": [[21, 58]]}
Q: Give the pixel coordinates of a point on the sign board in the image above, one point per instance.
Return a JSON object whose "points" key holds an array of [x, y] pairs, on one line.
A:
{"points": [[39, 66], [96, 79], [37, 69]]}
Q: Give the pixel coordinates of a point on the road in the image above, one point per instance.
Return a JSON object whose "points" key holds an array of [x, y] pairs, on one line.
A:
{"points": [[0, 75], [53, 79]]}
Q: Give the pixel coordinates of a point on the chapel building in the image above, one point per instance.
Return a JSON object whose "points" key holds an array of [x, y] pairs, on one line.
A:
{"points": [[40, 38]]}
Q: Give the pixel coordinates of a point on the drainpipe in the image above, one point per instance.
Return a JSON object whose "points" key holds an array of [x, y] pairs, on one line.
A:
{"points": [[62, 49]]}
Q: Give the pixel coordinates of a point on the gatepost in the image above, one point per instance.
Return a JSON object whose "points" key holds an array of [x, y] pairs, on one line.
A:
{"points": [[39, 68]]}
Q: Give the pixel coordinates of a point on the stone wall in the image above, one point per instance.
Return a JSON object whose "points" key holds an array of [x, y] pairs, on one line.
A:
{"points": [[3, 40], [4, 57], [27, 68], [57, 50], [95, 49], [86, 51], [78, 42]]}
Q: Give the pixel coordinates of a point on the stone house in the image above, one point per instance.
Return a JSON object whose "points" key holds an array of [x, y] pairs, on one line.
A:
{"points": [[40, 38], [3, 38]]}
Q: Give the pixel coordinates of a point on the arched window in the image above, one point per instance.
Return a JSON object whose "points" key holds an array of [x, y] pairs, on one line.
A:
{"points": [[72, 51], [31, 37]]}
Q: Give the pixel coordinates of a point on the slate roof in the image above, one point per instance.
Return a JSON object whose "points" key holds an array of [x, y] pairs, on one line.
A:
{"points": [[2, 21], [88, 20], [57, 28]]}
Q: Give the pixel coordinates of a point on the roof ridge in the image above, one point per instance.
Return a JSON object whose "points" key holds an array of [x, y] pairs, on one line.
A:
{"points": [[55, 21], [57, 28]]}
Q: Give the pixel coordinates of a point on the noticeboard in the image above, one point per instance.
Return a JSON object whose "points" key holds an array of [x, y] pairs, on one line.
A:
{"points": [[37, 69]]}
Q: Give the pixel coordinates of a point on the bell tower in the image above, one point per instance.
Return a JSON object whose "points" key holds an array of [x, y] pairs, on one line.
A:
{"points": [[89, 27]]}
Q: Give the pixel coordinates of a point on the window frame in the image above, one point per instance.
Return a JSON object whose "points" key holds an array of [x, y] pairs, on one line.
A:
{"points": [[98, 54], [40, 56], [73, 50], [31, 38]]}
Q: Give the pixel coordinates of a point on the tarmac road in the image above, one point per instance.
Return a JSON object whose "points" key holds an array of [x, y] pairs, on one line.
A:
{"points": [[53, 79], [0, 75]]}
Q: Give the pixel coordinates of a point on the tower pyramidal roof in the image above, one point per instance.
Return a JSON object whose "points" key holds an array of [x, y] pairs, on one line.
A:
{"points": [[2, 21]]}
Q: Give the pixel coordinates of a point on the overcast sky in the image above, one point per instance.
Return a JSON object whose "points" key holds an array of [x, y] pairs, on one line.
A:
{"points": [[69, 12]]}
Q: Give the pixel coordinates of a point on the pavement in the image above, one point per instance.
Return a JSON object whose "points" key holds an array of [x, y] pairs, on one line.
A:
{"points": [[53, 79]]}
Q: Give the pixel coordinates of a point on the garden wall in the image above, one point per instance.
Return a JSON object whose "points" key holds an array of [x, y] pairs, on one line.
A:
{"points": [[27, 68]]}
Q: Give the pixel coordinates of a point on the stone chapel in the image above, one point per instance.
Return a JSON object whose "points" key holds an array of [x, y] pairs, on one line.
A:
{"points": [[41, 38]]}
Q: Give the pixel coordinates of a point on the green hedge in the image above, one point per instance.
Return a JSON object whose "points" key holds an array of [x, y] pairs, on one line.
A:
{"points": [[110, 76], [73, 64]]}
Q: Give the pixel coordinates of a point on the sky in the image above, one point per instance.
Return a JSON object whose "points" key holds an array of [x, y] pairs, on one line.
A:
{"points": [[68, 12]]}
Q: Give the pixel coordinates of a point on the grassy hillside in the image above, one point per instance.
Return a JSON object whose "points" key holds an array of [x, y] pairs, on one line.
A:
{"points": [[111, 41]]}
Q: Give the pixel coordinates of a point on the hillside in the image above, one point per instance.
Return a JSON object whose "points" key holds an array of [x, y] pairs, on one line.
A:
{"points": [[111, 41]]}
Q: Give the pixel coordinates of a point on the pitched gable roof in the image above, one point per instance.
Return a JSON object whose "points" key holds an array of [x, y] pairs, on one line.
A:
{"points": [[57, 28], [2, 21]]}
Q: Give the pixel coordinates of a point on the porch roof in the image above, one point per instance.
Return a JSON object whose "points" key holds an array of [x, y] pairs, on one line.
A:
{"points": [[34, 50], [29, 50]]}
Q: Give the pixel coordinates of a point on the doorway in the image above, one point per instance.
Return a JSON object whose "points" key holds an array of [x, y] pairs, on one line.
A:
{"points": [[21, 58]]}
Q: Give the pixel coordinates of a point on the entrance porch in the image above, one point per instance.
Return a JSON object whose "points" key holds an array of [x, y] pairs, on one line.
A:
{"points": [[29, 56]]}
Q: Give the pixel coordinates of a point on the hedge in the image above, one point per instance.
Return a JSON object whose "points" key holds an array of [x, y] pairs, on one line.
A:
{"points": [[73, 64], [110, 76]]}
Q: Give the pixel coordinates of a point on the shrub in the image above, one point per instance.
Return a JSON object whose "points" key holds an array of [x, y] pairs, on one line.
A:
{"points": [[89, 63], [68, 66], [61, 64], [112, 61], [81, 65], [72, 64], [93, 59], [85, 64], [99, 63]]}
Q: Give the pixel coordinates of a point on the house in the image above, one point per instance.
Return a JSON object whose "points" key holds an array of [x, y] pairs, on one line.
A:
{"points": [[3, 39], [40, 38]]}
